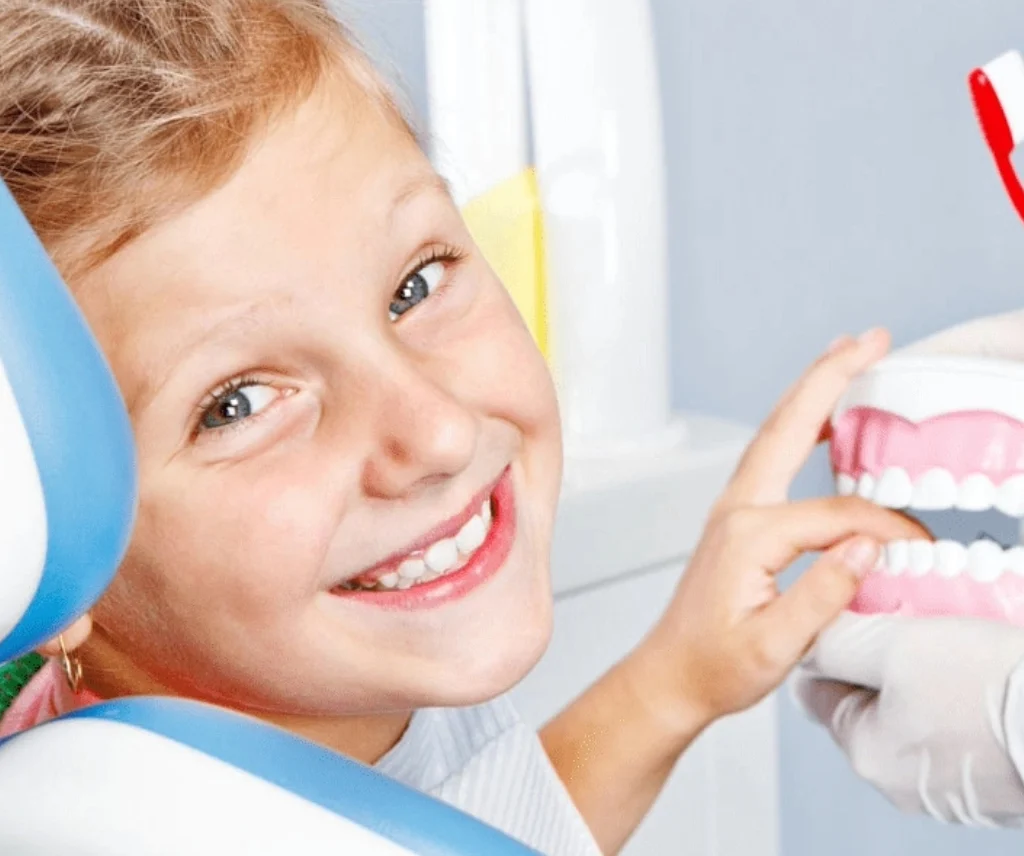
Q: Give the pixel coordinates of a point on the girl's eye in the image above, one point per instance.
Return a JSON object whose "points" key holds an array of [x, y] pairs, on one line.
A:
{"points": [[417, 288], [236, 405]]}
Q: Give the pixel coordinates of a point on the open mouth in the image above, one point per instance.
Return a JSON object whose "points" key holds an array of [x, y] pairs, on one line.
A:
{"points": [[929, 434], [448, 562]]}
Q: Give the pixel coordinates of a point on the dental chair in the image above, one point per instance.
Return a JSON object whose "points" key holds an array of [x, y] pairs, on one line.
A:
{"points": [[142, 776]]}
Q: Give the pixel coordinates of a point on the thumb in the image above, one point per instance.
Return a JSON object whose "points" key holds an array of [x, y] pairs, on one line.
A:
{"points": [[815, 600]]}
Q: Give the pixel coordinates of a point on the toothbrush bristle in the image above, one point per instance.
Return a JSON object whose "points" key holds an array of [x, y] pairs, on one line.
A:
{"points": [[1005, 75]]}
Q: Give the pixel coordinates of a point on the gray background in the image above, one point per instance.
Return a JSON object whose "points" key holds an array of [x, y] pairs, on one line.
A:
{"points": [[825, 175]]}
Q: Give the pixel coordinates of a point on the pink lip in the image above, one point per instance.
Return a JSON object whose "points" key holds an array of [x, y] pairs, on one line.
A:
{"points": [[485, 563]]}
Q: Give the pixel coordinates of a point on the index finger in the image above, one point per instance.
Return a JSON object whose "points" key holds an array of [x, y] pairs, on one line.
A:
{"points": [[799, 422]]}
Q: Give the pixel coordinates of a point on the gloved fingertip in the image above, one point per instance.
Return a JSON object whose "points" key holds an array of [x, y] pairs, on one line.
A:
{"points": [[798, 688]]}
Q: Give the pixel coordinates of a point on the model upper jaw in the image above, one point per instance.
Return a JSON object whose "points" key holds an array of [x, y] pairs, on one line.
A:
{"points": [[940, 425]]}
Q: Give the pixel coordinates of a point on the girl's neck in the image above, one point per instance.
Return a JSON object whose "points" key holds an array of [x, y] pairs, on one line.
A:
{"points": [[363, 738], [366, 738]]}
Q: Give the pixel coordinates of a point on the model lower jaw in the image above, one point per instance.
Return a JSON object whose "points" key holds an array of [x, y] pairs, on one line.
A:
{"points": [[924, 578], [450, 568], [932, 596]]}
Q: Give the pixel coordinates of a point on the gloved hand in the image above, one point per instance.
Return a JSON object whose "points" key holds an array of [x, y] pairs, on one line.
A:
{"points": [[995, 336], [930, 711]]}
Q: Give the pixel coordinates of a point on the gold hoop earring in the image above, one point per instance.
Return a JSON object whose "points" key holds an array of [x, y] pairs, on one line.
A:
{"points": [[71, 666]]}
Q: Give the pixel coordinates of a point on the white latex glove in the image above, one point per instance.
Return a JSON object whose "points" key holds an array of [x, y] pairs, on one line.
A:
{"points": [[929, 711], [994, 336]]}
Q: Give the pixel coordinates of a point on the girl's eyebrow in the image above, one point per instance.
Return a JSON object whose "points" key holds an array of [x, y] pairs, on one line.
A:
{"points": [[428, 183], [225, 328]]}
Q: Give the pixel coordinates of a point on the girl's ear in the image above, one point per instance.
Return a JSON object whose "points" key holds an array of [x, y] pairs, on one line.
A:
{"points": [[74, 636]]}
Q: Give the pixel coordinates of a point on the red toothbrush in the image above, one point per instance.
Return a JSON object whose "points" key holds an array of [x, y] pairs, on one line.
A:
{"points": [[998, 93]]}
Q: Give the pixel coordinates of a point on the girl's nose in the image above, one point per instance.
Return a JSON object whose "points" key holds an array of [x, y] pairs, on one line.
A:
{"points": [[425, 435]]}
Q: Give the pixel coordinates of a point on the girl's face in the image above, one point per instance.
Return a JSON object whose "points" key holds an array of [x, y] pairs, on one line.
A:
{"points": [[349, 447]]}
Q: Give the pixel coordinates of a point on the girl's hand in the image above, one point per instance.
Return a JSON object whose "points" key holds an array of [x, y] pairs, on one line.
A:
{"points": [[729, 637]]}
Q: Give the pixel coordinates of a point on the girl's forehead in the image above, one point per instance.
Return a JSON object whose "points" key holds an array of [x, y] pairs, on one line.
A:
{"points": [[318, 201], [330, 150], [319, 185]]}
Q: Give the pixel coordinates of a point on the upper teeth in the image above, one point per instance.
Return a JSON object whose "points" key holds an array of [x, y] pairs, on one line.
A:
{"points": [[442, 556], [439, 558], [936, 490]]}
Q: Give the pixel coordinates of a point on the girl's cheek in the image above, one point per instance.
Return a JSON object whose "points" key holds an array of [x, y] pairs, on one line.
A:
{"points": [[215, 543]]}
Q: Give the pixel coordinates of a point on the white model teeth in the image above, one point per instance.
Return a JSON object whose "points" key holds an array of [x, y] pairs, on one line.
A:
{"points": [[935, 490], [440, 558], [984, 560], [845, 485], [1010, 496], [897, 557], [921, 557], [976, 493], [866, 486], [950, 558], [894, 489]]}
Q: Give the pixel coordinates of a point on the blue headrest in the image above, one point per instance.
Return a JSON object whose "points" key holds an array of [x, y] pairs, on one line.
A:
{"points": [[213, 783], [67, 457]]}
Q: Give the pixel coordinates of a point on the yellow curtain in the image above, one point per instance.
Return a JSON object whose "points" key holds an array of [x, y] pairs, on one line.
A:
{"points": [[506, 223]]}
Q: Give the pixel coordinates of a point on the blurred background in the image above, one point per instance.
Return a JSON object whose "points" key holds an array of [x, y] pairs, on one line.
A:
{"points": [[825, 175]]}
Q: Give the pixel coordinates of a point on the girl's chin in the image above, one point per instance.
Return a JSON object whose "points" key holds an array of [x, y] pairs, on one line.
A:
{"points": [[468, 676]]}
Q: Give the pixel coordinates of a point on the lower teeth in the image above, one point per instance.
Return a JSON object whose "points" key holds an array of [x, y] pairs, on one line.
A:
{"points": [[405, 583]]}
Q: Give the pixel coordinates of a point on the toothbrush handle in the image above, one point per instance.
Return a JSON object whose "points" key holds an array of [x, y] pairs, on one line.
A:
{"points": [[998, 135]]}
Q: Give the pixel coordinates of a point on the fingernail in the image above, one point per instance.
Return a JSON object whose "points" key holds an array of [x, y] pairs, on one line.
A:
{"points": [[838, 343], [867, 335], [860, 555]]}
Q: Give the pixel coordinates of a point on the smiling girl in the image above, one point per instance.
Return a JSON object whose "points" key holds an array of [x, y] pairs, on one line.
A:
{"points": [[349, 447]]}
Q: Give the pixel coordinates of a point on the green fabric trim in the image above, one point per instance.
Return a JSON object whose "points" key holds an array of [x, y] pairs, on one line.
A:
{"points": [[14, 676]]}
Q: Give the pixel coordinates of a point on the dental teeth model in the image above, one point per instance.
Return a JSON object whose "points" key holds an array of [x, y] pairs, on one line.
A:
{"points": [[929, 432]]}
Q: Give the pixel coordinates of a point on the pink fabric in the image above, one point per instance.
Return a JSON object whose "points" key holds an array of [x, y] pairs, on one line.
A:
{"points": [[867, 440], [46, 696]]}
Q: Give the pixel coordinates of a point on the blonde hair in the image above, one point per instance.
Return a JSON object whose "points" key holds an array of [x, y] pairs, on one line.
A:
{"points": [[116, 113]]}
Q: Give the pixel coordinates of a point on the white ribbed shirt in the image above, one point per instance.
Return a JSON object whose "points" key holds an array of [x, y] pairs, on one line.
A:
{"points": [[487, 762]]}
